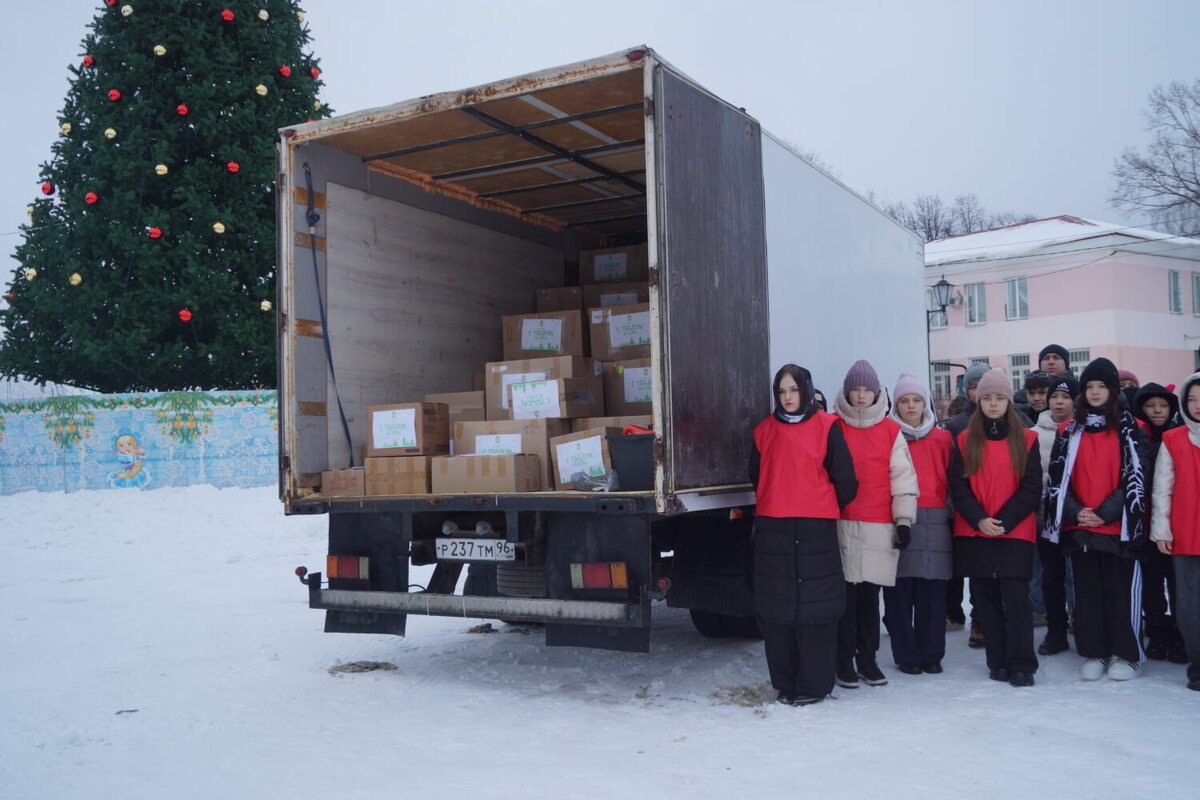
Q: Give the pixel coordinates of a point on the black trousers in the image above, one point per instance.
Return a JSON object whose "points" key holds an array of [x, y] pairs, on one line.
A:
{"points": [[954, 601], [915, 614], [1108, 605], [1187, 575], [1156, 568], [1006, 616], [1054, 587], [858, 629], [800, 658]]}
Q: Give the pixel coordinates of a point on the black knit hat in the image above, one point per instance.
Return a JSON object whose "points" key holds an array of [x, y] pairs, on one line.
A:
{"points": [[1064, 383], [1101, 369], [1058, 350]]}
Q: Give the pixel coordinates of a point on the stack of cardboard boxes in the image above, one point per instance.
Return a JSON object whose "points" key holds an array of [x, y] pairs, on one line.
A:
{"points": [[574, 371]]}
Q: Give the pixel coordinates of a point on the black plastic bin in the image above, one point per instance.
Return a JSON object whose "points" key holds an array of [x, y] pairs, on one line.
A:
{"points": [[633, 460]]}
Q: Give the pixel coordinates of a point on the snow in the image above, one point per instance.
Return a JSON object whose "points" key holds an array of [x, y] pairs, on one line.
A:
{"points": [[159, 645]]}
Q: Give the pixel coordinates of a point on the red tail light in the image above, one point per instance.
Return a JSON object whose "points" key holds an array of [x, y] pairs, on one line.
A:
{"points": [[353, 567], [600, 575]]}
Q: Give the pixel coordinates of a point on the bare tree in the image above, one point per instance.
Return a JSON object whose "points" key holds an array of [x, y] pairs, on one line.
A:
{"points": [[931, 217], [1165, 179], [967, 214]]}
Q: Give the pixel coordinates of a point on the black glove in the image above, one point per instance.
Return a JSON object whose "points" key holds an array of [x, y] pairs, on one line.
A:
{"points": [[903, 537]]}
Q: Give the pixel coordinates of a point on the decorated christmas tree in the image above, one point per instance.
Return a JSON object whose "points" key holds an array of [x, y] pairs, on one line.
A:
{"points": [[148, 262]]}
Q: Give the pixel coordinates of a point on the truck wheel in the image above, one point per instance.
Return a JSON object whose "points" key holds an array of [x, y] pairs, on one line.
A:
{"points": [[725, 626], [520, 582]]}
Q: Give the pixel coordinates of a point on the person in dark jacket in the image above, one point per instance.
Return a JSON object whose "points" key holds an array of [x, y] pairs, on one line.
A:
{"points": [[996, 482], [1037, 388], [1096, 507], [955, 617], [1159, 410], [803, 477]]}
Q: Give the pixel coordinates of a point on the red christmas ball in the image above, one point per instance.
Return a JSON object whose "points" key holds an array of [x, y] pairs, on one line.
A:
{"points": [[110, 3], [114, 95], [90, 198], [47, 188], [233, 166], [185, 315], [316, 73], [285, 71], [181, 110], [227, 15], [88, 61], [154, 233]]}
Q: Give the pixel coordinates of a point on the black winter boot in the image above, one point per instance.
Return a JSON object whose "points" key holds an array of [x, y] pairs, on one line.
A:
{"points": [[869, 671], [845, 676], [1158, 640], [1176, 653]]}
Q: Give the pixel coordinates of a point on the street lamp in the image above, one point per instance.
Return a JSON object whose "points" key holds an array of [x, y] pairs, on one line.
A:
{"points": [[941, 295]]}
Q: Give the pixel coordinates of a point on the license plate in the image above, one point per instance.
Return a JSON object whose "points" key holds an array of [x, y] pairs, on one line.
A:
{"points": [[475, 550]]}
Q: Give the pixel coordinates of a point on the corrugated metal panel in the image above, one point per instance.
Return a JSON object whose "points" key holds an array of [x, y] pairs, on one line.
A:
{"points": [[709, 163]]}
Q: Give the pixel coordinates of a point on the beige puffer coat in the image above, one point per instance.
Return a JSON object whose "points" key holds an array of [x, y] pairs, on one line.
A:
{"points": [[868, 551]]}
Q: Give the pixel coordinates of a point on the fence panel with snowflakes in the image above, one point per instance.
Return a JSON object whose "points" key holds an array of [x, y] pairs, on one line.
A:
{"points": [[138, 441]]}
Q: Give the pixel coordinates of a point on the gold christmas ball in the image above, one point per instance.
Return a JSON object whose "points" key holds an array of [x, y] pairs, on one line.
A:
{"points": [[262, 90], [65, 128], [218, 227], [75, 279], [265, 305], [29, 211], [159, 50], [263, 15], [110, 133], [300, 16], [126, 10], [316, 105], [161, 169], [30, 273]]}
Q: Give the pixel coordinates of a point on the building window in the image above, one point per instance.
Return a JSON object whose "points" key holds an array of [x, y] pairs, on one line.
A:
{"points": [[1018, 368], [1079, 360], [1196, 292], [937, 315], [1175, 289], [941, 381], [1016, 298], [976, 304]]}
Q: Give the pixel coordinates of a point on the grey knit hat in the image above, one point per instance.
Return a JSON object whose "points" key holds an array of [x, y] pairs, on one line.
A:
{"points": [[975, 372], [861, 374]]}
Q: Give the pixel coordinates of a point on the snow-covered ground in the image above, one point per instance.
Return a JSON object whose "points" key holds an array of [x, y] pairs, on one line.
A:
{"points": [[158, 645]]}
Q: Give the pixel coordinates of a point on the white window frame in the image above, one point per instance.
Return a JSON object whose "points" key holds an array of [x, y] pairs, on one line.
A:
{"points": [[976, 294], [1016, 298], [1018, 369], [1175, 291], [938, 317], [1079, 359], [941, 381], [1196, 293]]}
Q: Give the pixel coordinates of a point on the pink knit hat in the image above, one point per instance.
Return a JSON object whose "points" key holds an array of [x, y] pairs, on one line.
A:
{"points": [[908, 383], [994, 381], [861, 374]]}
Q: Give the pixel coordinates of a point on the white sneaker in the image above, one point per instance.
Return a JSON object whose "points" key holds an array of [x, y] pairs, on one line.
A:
{"points": [[1122, 670], [1093, 669]]}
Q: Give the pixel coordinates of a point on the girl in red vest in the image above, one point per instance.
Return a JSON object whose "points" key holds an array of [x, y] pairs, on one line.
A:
{"points": [[916, 606], [803, 477], [876, 524], [1095, 506], [996, 483], [1175, 521]]}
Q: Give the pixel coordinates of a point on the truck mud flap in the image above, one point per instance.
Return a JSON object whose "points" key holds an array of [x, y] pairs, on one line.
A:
{"points": [[384, 539]]}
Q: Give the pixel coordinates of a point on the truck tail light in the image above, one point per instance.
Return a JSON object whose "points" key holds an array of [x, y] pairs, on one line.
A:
{"points": [[600, 575], [353, 567]]}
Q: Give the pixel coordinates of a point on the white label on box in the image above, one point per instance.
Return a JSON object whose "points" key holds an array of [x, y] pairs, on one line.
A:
{"points": [[541, 334], [609, 267], [637, 384], [581, 455], [598, 316], [618, 299], [516, 377], [625, 330], [497, 444], [395, 427], [535, 400]]}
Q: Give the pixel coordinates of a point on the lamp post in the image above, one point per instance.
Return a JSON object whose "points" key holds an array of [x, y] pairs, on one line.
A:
{"points": [[940, 299]]}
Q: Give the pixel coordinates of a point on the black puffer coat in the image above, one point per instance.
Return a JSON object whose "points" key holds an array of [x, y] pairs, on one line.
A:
{"points": [[798, 571]]}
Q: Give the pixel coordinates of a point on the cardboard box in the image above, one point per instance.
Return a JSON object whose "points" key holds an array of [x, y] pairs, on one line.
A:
{"points": [[464, 406], [560, 398], [561, 298], [585, 451], [550, 333], [511, 436], [620, 333], [343, 482], [486, 474], [611, 422], [600, 295], [614, 265], [478, 381], [500, 374], [400, 475], [628, 388], [408, 429]]}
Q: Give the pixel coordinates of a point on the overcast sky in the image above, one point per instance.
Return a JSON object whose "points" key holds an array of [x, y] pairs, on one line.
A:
{"points": [[1025, 103]]}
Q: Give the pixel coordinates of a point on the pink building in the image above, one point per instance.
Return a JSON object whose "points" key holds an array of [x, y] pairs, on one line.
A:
{"points": [[1098, 289]]}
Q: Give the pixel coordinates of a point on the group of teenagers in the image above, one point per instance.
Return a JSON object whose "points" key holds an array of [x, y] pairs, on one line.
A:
{"points": [[1093, 485]]}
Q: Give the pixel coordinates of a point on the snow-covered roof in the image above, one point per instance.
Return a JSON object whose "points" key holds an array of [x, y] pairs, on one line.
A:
{"points": [[1042, 237]]}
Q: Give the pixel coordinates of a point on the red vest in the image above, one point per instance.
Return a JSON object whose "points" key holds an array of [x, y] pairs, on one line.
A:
{"points": [[871, 449], [1096, 474], [931, 459], [1185, 497], [792, 481], [993, 485]]}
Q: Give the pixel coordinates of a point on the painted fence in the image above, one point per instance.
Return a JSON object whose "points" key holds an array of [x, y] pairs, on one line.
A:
{"points": [[139, 441]]}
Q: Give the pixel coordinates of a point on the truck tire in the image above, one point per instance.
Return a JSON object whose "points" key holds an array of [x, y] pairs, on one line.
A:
{"points": [[725, 626], [520, 581]]}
